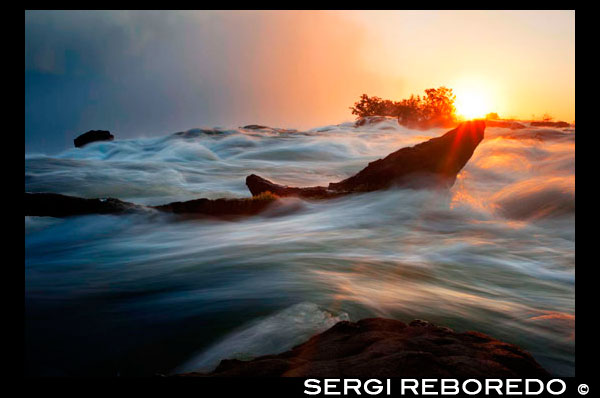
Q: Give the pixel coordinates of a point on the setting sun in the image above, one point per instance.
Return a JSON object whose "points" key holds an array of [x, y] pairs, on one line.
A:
{"points": [[472, 104]]}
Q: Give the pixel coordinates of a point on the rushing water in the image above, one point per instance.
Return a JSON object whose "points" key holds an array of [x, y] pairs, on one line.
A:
{"points": [[146, 293]]}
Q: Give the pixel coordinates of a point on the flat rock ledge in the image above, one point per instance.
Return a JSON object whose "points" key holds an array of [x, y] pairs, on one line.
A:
{"points": [[57, 205], [383, 348]]}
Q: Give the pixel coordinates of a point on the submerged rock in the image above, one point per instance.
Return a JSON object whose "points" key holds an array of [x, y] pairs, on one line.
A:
{"points": [[369, 120], [255, 127], [505, 124], [57, 205], [92, 136], [382, 348], [551, 124], [433, 163]]}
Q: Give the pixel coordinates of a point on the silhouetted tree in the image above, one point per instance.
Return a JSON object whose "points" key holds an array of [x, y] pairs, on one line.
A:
{"points": [[367, 106], [436, 108], [492, 115], [439, 104]]}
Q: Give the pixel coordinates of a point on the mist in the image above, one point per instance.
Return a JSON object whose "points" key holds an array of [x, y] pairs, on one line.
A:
{"points": [[146, 73]]}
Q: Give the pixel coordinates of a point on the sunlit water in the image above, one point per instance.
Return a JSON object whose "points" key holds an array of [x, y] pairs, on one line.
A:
{"points": [[146, 293]]}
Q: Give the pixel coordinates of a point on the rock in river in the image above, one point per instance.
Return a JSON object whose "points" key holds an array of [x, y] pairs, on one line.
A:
{"points": [[382, 348], [433, 163], [92, 136]]}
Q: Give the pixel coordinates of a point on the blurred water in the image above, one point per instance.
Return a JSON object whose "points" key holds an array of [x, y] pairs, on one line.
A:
{"points": [[141, 294]]}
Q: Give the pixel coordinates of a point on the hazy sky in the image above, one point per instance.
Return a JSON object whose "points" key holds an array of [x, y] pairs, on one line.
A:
{"points": [[148, 73]]}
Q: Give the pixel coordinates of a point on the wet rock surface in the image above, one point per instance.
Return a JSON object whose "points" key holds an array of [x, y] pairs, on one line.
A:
{"points": [[93, 136], [378, 347], [57, 205], [220, 207], [433, 163]]}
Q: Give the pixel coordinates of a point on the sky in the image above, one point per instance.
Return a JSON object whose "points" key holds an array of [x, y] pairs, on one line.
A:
{"points": [[151, 73]]}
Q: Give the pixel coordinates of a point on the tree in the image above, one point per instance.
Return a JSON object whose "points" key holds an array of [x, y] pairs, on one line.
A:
{"points": [[439, 104], [492, 115], [368, 106], [436, 108]]}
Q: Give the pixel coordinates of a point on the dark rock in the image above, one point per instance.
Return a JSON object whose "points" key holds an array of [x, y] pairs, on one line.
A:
{"points": [[383, 348], [433, 163], [269, 129], [550, 124], [255, 127], [258, 185], [220, 207], [504, 124], [57, 205], [369, 120], [92, 136], [438, 160], [193, 133]]}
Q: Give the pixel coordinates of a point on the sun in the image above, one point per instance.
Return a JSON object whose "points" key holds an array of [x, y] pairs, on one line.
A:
{"points": [[472, 104]]}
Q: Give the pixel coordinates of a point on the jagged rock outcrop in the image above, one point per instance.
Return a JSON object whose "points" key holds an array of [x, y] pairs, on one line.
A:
{"points": [[93, 136], [382, 348], [433, 163]]}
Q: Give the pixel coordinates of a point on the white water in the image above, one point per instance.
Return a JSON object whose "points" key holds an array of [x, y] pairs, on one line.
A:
{"points": [[140, 294]]}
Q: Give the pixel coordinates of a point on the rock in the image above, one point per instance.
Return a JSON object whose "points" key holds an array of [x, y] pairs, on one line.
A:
{"points": [[382, 348], [258, 185], [92, 136], [255, 127], [268, 129], [433, 163], [221, 207], [57, 205], [370, 120], [504, 124], [550, 124]]}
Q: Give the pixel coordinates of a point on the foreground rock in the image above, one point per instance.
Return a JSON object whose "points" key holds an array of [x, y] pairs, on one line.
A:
{"points": [[384, 348], [433, 163], [93, 136], [57, 205]]}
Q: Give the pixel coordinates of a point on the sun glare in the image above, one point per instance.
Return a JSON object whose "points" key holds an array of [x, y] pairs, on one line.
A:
{"points": [[472, 105]]}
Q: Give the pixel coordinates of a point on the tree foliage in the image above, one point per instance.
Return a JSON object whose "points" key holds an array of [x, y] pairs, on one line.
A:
{"points": [[436, 108]]}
